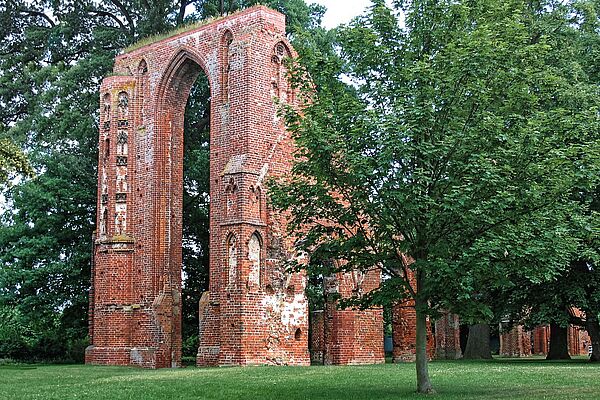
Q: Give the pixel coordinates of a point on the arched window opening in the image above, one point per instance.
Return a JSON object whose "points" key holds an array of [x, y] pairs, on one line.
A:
{"points": [[275, 76], [143, 68], [122, 137], [256, 202], [120, 218], [106, 113], [104, 222], [106, 107], [123, 105], [357, 280], [231, 198]]}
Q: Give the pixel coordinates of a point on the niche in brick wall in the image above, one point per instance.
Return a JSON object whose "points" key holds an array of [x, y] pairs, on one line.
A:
{"points": [[104, 161], [254, 256], [256, 207], [122, 152], [226, 41], [231, 199], [231, 260], [142, 91]]}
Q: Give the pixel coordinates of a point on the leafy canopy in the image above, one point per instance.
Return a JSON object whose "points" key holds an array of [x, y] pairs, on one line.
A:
{"points": [[448, 132]]}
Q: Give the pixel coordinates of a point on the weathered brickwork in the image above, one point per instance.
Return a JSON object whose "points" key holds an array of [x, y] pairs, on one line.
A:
{"points": [[515, 342], [255, 311], [541, 339], [518, 342], [447, 337], [578, 340], [352, 337], [404, 333], [317, 337]]}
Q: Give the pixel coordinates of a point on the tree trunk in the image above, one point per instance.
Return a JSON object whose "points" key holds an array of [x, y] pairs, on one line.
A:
{"points": [[423, 382], [559, 348], [478, 343], [593, 328]]}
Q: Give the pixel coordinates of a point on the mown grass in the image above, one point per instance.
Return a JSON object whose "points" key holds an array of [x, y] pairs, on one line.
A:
{"points": [[498, 379]]}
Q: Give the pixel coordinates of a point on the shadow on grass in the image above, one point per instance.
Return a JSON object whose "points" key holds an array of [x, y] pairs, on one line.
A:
{"points": [[576, 361], [17, 367]]}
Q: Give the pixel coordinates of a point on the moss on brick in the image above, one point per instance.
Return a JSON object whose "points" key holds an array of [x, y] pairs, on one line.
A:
{"points": [[179, 30]]}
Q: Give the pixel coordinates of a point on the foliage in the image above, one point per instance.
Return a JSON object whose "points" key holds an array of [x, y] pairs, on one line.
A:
{"points": [[451, 154], [578, 284], [12, 160], [13, 334]]}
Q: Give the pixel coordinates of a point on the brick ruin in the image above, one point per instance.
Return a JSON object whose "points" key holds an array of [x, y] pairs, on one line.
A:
{"points": [[255, 312], [520, 342]]}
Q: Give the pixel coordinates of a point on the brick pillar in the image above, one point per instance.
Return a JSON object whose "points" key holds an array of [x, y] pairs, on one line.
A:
{"points": [[404, 328], [352, 336], [91, 292], [578, 340], [317, 337], [516, 342], [209, 331], [447, 337], [404, 333], [541, 337], [584, 340], [117, 314]]}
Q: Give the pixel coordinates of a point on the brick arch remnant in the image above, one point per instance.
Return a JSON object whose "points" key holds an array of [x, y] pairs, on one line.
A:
{"points": [[135, 301]]}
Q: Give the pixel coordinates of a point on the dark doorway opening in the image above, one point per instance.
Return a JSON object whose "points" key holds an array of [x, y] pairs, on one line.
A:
{"points": [[196, 206]]}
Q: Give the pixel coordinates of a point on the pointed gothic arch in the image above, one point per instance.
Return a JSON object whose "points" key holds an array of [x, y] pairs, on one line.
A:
{"points": [[140, 201]]}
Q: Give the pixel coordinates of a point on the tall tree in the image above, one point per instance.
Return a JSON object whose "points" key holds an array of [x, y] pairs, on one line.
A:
{"points": [[452, 145]]}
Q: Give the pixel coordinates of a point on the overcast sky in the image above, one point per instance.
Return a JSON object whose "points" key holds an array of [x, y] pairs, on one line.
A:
{"points": [[341, 11]]}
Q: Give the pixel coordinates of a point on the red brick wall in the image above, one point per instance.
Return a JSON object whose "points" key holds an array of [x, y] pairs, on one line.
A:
{"points": [[516, 339], [541, 339], [255, 312], [577, 338], [317, 337], [516, 342], [404, 330], [352, 336], [404, 333]]}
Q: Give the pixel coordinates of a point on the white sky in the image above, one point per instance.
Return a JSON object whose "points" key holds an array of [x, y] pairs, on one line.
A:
{"points": [[341, 11]]}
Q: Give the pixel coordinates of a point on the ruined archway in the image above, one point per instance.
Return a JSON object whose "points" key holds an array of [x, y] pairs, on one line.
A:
{"points": [[255, 311], [252, 313]]}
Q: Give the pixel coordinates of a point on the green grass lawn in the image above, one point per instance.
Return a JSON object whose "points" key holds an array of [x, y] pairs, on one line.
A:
{"points": [[498, 379]]}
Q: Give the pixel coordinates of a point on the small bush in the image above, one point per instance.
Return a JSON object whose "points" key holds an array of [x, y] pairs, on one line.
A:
{"points": [[190, 347]]}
